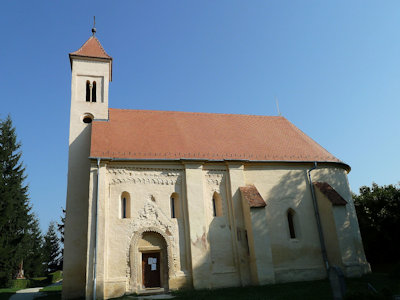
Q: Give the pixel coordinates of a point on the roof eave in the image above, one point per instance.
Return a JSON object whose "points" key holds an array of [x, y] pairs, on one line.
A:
{"points": [[93, 58], [186, 160]]}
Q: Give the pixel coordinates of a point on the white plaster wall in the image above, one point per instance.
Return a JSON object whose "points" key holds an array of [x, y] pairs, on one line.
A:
{"points": [[283, 188], [235, 180], [150, 188], [214, 246], [77, 207], [220, 236], [349, 237], [83, 70], [142, 190]]}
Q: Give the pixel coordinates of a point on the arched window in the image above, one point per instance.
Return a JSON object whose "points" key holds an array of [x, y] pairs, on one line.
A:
{"points": [[125, 205], [217, 205], [87, 91], [290, 217], [175, 205], [94, 91]]}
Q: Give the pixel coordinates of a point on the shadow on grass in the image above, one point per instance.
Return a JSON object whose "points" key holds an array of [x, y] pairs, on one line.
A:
{"points": [[300, 290], [49, 295], [6, 295], [371, 286], [50, 292], [357, 288]]}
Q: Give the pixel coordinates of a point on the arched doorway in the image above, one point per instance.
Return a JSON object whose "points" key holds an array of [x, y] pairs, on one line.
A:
{"points": [[151, 268]]}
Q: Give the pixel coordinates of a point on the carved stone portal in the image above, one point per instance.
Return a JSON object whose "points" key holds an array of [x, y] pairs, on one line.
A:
{"points": [[151, 219]]}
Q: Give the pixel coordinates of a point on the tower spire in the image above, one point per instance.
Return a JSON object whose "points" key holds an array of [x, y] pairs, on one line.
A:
{"points": [[94, 26]]}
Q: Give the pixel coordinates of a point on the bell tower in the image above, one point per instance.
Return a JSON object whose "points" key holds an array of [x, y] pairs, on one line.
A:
{"points": [[91, 73]]}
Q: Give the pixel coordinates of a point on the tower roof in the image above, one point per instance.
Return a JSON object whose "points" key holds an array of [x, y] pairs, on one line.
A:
{"points": [[92, 48]]}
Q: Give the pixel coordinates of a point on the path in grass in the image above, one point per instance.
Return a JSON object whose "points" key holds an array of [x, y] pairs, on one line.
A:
{"points": [[26, 294], [31, 293]]}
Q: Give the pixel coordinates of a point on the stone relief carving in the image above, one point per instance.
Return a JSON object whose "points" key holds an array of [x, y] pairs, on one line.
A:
{"points": [[151, 219], [144, 175], [214, 179]]}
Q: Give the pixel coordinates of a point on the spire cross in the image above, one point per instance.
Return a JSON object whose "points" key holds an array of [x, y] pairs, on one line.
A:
{"points": [[94, 25]]}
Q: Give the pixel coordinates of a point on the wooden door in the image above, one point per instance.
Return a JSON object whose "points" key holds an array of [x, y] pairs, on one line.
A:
{"points": [[151, 270]]}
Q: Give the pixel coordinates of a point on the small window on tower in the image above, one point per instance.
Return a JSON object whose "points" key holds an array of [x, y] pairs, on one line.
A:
{"points": [[94, 92], [87, 91], [87, 118]]}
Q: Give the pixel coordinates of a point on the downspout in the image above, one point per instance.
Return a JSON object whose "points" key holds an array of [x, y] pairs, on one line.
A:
{"points": [[95, 233], [318, 219]]}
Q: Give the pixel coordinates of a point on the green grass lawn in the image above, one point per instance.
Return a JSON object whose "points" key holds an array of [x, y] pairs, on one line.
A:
{"points": [[297, 290], [385, 285], [54, 288], [50, 292], [357, 288]]}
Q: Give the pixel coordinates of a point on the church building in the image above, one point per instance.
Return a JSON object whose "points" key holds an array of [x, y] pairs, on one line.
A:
{"points": [[163, 200]]}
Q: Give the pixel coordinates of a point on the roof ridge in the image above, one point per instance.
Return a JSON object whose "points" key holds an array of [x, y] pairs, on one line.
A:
{"points": [[196, 113], [101, 46], [82, 48]]}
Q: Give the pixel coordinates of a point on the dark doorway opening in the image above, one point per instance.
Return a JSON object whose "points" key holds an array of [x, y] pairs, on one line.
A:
{"points": [[151, 270]]}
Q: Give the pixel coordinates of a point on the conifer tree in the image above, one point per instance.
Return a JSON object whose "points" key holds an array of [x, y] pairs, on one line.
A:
{"points": [[51, 249], [33, 262], [14, 203], [61, 231]]}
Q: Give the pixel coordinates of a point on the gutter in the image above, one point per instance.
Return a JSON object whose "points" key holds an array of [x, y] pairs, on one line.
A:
{"points": [[95, 233], [318, 219]]}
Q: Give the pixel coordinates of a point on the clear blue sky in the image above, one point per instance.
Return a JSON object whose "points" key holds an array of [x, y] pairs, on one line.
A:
{"points": [[333, 65]]}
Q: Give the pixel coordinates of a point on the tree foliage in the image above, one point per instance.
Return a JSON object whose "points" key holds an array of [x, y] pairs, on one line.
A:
{"points": [[61, 231], [20, 237], [378, 211], [14, 203], [33, 262], [51, 249]]}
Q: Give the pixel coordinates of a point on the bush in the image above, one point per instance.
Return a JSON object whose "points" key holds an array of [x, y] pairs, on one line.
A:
{"points": [[395, 271], [54, 277], [378, 212], [19, 284], [38, 281], [28, 283]]}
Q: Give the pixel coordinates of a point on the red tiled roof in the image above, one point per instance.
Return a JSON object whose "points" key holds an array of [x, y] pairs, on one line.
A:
{"points": [[252, 196], [330, 193], [92, 48], [143, 134]]}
